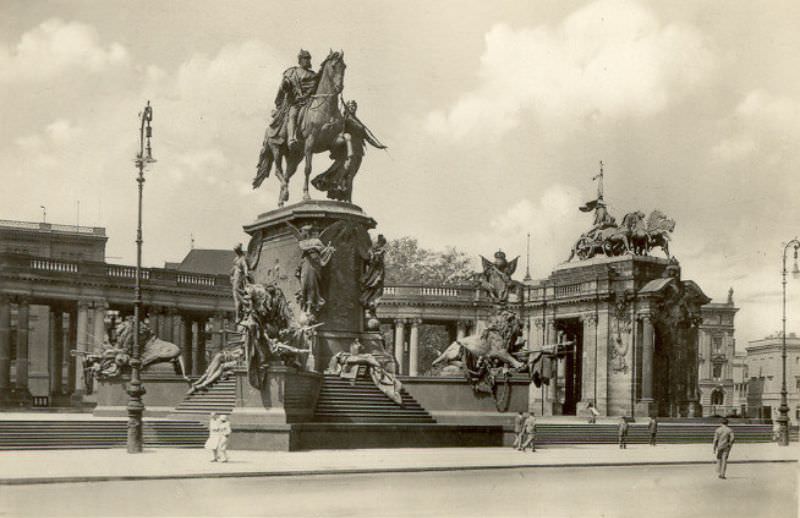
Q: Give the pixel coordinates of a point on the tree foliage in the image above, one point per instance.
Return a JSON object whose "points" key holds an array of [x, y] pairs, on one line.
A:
{"points": [[409, 263]]}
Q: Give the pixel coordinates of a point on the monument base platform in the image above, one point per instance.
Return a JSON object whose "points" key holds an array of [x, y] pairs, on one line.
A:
{"points": [[321, 436]]}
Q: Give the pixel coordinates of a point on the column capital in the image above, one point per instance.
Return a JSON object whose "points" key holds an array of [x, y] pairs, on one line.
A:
{"points": [[400, 321], [538, 322], [415, 322], [22, 300]]}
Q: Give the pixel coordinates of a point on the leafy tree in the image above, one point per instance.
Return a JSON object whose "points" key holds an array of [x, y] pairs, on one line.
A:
{"points": [[409, 263]]}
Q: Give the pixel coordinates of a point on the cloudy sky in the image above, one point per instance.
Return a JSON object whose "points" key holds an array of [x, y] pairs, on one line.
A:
{"points": [[496, 115]]}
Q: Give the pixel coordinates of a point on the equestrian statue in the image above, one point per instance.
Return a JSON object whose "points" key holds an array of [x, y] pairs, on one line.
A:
{"points": [[307, 120]]}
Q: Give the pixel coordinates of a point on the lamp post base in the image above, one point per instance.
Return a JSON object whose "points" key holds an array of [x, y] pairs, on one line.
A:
{"points": [[783, 429]]}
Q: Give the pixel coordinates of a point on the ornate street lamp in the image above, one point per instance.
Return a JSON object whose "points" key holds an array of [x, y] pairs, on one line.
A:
{"points": [[135, 388], [783, 419]]}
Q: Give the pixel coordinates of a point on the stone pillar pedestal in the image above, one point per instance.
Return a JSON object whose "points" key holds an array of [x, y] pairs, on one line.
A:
{"points": [[274, 253], [260, 420]]}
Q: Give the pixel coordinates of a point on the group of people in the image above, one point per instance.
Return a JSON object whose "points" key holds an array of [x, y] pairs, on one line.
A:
{"points": [[219, 430], [622, 431], [525, 430]]}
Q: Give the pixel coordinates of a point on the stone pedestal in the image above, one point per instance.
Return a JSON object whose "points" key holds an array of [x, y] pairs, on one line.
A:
{"points": [[261, 419], [274, 255]]}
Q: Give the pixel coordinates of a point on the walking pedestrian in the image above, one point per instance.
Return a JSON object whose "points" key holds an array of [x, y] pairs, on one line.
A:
{"points": [[213, 435], [224, 434], [593, 413], [622, 433], [529, 428], [723, 442], [519, 419], [652, 427]]}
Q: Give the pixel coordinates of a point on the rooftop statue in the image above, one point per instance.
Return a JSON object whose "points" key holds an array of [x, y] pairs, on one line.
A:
{"points": [[307, 119], [635, 235], [495, 279]]}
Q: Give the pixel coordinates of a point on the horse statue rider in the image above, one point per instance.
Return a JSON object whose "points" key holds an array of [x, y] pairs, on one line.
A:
{"points": [[308, 119], [297, 85]]}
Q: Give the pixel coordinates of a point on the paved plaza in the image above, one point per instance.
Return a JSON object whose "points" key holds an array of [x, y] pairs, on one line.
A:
{"points": [[683, 490], [30, 467]]}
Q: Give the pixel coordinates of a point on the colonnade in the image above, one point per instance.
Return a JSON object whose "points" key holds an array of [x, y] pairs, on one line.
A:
{"points": [[407, 341], [38, 337]]}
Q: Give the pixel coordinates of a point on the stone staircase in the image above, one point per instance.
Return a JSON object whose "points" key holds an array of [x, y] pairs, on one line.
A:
{"points": [[677, 433], [53, 434], [220, 398], [362, 402]]}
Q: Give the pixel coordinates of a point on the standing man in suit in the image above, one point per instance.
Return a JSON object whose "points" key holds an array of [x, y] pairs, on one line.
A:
{"points": [[652, 427], [622, 433], [518, 422], [529, 427], [723, 442]]}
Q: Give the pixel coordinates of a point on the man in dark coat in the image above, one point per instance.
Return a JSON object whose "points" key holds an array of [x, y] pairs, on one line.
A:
{"points": [[723, 442]]}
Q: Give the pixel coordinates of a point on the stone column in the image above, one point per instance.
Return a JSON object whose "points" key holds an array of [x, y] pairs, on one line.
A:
{"points": [[556, 365], [589, 359], [198, 347], [168, 325], [99, 326], [154, 319], [413, 348], [217, 323], [648, 337], [82, 343], [57, 352], [187, 342], [5, 344], [72, 345], [23, 323], [399, 342]]}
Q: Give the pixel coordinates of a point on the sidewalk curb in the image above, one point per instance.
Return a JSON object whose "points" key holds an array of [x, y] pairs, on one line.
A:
{"points": [[354, 471]]}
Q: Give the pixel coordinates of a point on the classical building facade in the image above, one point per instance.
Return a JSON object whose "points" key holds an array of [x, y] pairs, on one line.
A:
{"points": [[634, 336], [720, 392], [764, 366], [57, 298]]}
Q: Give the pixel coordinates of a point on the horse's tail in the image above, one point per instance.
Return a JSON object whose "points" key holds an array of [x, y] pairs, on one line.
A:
{"points": [[265, 160]]}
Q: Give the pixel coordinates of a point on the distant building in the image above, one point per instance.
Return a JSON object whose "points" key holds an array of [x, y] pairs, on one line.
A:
{"points": [[764, 366], [717, 369]]}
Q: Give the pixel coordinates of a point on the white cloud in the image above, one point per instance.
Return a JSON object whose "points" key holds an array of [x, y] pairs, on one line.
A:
{"points": [[54, 47], [550, 220], [761, 121], [612, 58], [733, 149]]}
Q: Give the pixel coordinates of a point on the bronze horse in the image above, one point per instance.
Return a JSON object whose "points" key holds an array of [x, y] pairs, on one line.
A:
{"points": [[319, 125]]}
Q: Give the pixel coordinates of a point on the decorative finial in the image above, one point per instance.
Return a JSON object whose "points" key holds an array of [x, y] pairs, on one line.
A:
{"points": [[528, 277], [600, 182]]}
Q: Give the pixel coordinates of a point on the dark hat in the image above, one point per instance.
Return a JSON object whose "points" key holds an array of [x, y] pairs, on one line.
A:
{"points": [[500, 255], [303, 54]]}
